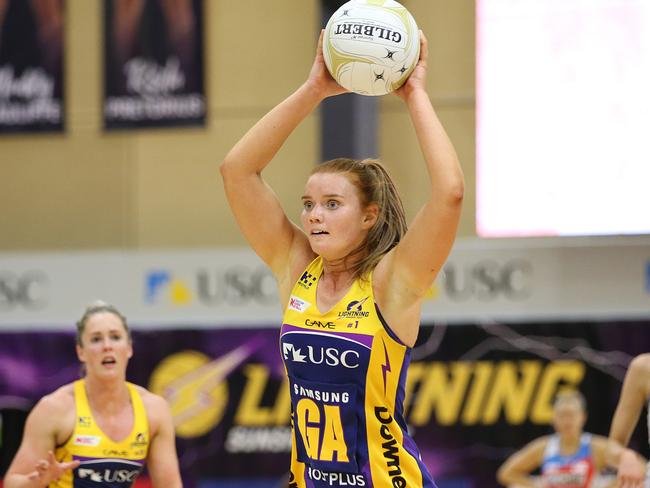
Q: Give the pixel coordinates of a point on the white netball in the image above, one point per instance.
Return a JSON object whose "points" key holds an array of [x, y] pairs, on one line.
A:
{"points": [[371, 46]]}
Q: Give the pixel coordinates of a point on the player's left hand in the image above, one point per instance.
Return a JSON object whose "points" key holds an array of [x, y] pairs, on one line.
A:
{"points": [[418, 78]]}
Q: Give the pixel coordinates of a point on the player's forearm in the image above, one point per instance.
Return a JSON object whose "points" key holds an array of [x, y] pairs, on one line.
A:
{"points": [[21, 481], [258, 146]]}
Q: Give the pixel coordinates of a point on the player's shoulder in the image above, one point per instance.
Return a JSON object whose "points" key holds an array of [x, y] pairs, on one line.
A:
{"points": [[156, 407], [60, 400], [149, 398], [54, 412], [154, 404], [541, 443], [539, 446], [641, 362]]}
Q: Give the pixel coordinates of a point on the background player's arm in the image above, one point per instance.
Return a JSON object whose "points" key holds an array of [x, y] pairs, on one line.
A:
{"points": [[162, 461], [599, 448], [34, 464], [634, 395], [516, 470]]}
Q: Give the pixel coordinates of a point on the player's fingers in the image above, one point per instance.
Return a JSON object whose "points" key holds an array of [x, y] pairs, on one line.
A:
{"points": [[424, 47], [69, 465], [34, 475]]}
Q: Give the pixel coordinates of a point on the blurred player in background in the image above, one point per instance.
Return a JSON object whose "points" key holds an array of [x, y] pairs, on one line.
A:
{"points": [[100, 430], [568, 458]]}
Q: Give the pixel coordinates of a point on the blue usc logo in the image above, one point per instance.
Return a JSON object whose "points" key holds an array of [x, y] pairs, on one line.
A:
{"points": [[161, 283]]}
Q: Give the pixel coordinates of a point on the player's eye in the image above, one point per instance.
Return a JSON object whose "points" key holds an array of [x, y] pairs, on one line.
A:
{"points": [[332, 204]]}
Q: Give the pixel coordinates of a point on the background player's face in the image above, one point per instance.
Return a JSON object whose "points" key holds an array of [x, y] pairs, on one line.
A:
{"points": [[105, 345], [568, 418], [333, 216]]}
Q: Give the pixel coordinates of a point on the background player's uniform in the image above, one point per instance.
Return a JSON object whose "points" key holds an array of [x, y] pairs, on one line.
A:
{"points": [[105, 463], [568, 471], [347, 372]]}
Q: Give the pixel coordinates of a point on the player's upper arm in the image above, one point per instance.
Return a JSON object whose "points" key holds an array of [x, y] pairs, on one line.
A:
{"points": [[39, 435], [261, 218], [162, 460], [524, 461]]}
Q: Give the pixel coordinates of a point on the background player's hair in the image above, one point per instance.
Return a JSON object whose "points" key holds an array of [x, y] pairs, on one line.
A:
{"points": [[95, 307], [375, 186], [571, 396]]}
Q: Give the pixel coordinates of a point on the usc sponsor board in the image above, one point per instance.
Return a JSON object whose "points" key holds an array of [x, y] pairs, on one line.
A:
{"points": [[549, 280], [475, 392]]}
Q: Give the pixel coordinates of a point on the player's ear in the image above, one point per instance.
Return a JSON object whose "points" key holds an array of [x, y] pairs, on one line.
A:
{"points": [[370, 216], [80, 353]]}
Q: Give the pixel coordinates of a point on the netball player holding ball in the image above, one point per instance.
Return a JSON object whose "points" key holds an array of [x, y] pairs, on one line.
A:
{"points": [[352, 279], [98, 431]]}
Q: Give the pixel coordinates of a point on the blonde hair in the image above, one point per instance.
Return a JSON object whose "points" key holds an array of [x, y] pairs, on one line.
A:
{"points": [[96, 307], [375, 186]]}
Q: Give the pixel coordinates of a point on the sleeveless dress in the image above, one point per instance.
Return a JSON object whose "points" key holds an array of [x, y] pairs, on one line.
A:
{"points": [[104, 462], [347, 372], [572, 471]]}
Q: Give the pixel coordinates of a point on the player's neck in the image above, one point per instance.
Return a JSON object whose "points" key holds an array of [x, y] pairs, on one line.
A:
{"points": [[108, 394], [569, 444], [336, 279]]}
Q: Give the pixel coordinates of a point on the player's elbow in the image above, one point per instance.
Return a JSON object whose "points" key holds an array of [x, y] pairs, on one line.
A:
{"points": [[226, 168], [456, 192], [451, 194], [502, 476]]}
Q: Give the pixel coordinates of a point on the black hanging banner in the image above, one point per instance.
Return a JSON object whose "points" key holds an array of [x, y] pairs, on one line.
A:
{"points": [[153, 64], [31, 65]]}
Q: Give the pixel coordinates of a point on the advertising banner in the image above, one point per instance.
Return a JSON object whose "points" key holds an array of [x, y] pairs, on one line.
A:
{"points": [[153, 63], [483, 280], [475, 393], [31, 65]]}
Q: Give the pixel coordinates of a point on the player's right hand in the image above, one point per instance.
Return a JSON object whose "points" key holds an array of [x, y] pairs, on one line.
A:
{"points": [[49, 470]]}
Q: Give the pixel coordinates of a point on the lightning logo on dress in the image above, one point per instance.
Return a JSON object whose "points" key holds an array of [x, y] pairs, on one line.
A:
{"points": [[385, 368]]}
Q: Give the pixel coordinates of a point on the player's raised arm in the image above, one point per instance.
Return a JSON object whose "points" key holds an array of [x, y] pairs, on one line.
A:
{"points": [[255, 207], [426, 245]]}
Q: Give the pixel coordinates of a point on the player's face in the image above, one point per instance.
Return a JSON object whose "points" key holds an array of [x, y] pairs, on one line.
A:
{"points": [[568, 418], [332, 215], [105, 346]]}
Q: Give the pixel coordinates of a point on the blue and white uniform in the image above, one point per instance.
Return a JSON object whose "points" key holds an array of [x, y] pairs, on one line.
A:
{"points": [[574, 470]]}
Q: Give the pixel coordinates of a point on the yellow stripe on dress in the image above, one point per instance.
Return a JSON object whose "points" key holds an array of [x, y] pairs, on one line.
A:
{"points": [[390, 463]]}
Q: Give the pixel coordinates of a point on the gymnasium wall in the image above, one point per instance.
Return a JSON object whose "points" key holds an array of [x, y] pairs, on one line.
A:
{"points": [[88, 189]]}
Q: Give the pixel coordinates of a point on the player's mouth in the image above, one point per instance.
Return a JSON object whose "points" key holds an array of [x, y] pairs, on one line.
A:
{"points": [[109, 362]]}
